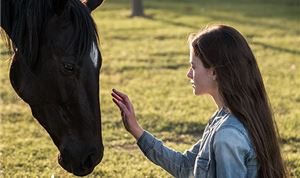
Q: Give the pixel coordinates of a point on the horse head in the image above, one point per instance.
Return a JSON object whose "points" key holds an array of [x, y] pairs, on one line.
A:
{"points": [[55, 70]]}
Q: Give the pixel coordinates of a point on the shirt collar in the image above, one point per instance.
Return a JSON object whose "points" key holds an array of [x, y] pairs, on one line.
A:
{"points": [[219, 114]]}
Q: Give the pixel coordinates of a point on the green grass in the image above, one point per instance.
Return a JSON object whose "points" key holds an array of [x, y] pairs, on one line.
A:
{"points": [[148, 59]]}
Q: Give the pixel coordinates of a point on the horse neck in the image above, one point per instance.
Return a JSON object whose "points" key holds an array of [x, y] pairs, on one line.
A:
{"points": [[5, 17]]}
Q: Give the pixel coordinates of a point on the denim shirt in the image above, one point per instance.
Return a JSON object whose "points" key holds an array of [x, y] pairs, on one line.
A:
{"points": [[225, 150]]}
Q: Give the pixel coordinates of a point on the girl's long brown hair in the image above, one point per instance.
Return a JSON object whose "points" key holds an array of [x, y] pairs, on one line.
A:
{"points": [[241, 86]]}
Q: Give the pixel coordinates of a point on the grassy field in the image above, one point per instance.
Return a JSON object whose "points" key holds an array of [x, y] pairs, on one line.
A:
{"points": [[148, 59]]}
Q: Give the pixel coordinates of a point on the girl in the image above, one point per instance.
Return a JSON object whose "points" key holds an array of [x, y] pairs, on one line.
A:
{"points": [[240, 140]]}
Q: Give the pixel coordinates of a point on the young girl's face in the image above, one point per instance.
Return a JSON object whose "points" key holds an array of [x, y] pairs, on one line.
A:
{"points": [[202, 79]]}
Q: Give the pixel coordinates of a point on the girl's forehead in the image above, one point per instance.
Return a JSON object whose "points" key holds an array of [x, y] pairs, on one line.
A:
{"points": [[193, 57]]}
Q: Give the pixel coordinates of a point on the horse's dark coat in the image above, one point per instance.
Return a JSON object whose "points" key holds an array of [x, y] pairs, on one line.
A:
{"points": [[53, 72]]}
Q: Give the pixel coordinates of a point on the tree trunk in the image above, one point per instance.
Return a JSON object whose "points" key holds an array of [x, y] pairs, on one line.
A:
{"points": [[137, 8]]}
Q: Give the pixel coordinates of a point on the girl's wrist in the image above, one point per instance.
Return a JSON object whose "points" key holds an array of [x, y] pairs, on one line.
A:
{"points": [[137, 132]]}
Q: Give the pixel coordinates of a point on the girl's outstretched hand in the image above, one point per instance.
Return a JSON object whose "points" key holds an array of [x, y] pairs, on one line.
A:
{"points": [[127, 113]]}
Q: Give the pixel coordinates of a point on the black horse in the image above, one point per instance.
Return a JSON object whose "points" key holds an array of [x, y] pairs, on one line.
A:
{"points": [[55, 69]]}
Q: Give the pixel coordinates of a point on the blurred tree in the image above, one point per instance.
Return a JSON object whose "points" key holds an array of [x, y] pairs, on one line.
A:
{"points": [[137, 8]]}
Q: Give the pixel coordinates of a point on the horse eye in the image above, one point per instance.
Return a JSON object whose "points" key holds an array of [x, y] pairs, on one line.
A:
{"points": [[69, 67]]}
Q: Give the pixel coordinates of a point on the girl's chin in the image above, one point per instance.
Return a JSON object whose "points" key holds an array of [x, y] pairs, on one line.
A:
{"points": [[197, 92]]}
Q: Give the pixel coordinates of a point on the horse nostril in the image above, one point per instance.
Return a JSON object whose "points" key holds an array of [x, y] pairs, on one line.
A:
{"points": [[79, 160], [88, 162]]}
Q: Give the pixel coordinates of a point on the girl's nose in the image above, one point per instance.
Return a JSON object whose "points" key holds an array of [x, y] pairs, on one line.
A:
{"points": [[189, 74]]}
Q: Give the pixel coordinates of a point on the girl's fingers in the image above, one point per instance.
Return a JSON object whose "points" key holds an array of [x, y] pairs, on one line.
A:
{"points": [[121, 106], [116, 102], [121, 100], [114, 95], [124, 97]]}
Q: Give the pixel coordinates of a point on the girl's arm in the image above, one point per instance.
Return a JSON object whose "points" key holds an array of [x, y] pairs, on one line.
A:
{"points": [[177, 164]]}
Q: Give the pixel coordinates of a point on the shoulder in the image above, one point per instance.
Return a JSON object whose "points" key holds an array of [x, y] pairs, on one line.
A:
{"points": [[232, 134], [231, 124]]}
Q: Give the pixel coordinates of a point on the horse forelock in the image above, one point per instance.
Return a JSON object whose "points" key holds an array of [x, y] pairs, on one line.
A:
{"points": [[84, 28], [28, 20]]}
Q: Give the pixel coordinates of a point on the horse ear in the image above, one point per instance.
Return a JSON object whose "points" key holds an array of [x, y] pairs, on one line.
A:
{"points": [[59, 6], [92, 4]]}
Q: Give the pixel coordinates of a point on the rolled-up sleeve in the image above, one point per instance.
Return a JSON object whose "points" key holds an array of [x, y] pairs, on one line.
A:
{"points": [[176, 163], [231, 147]]}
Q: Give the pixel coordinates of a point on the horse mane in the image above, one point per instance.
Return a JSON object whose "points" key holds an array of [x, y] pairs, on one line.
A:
{"points": [[28, 19]]}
